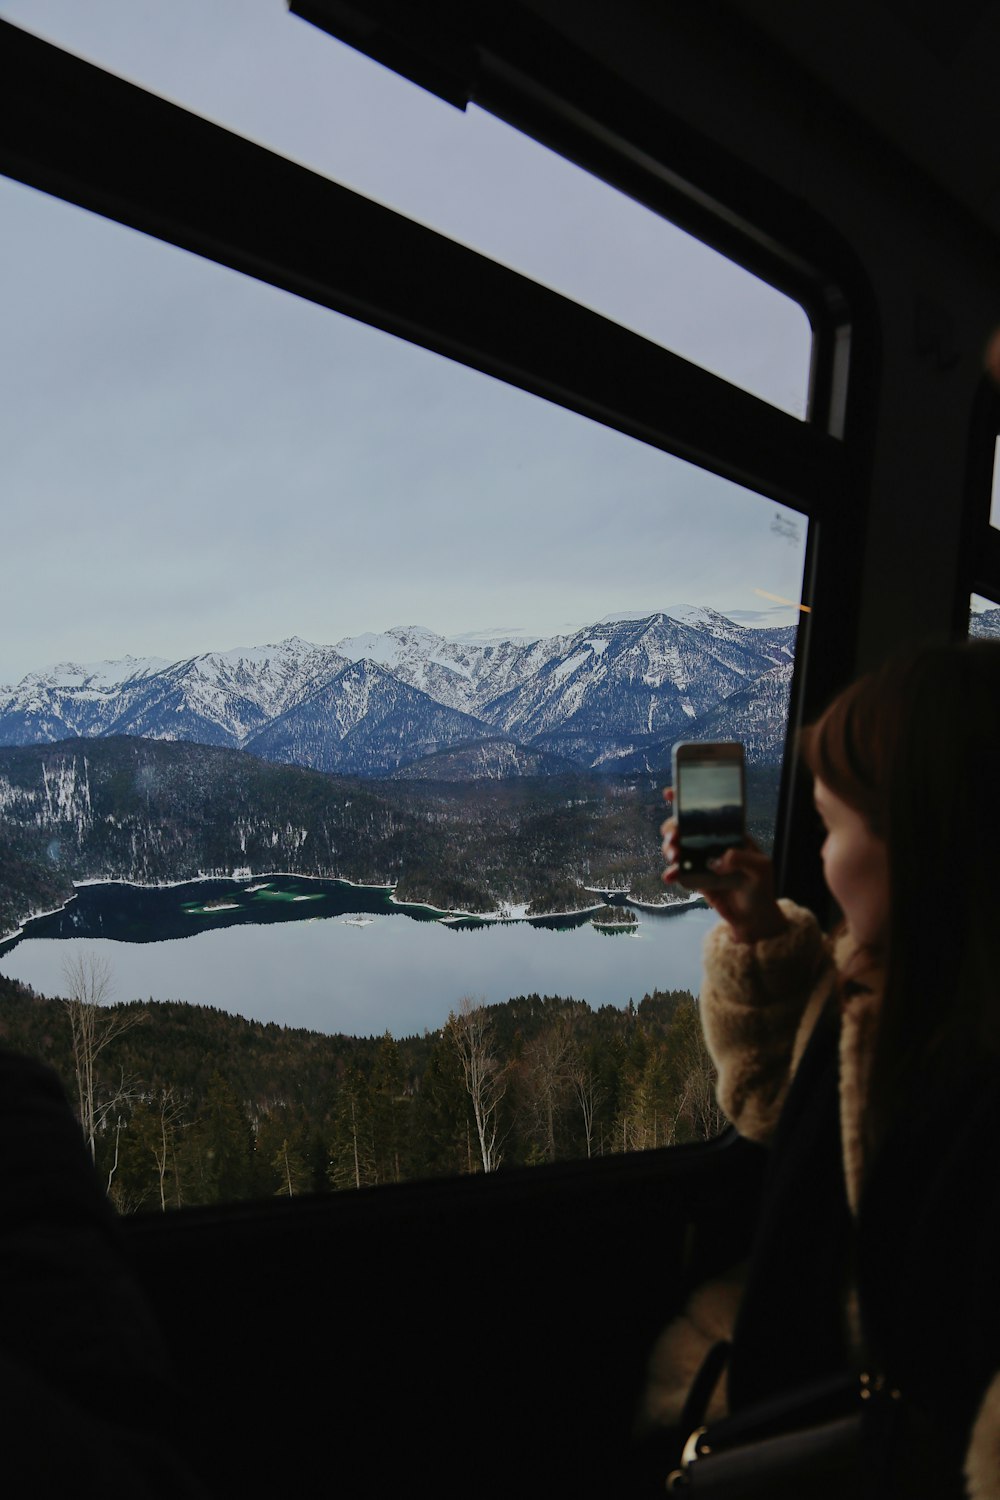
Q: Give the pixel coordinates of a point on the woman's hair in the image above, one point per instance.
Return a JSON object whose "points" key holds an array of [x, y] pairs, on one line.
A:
{"points": [[915, 748]]}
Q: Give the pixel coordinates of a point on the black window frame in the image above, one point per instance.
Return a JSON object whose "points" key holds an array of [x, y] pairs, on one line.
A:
{"points": [[979, 570]]}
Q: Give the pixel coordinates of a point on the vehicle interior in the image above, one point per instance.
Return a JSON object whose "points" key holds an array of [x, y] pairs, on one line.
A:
{"points": [[487, 1335]]}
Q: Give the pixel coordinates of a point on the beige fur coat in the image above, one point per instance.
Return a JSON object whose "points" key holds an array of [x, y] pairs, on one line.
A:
{"points": [[759, 1004]]}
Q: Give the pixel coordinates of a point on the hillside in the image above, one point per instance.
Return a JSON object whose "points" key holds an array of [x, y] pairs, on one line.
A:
{"points": [[150, 811], [199, 1106]]}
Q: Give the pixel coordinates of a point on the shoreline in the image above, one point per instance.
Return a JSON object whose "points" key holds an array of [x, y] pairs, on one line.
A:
{"points": [[199, 879], [682, 905], [515, 912], [495, 918]]}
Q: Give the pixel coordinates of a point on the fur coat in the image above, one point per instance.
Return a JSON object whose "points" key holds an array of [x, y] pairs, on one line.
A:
{"points": [[763, 1008]]}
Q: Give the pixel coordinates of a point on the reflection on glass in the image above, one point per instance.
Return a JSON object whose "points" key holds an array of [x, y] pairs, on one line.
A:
{"points": [[252, 67]]}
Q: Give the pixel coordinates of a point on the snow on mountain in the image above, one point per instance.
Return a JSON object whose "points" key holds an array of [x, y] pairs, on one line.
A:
{"points": [[985, 624], [367, 722], [461, 674], [698, 615], [97, 677], [417, 656], [756, 714], [219, 698], [494, 759], [243, 689], [71, 696], [602, 696], [632, 677]]}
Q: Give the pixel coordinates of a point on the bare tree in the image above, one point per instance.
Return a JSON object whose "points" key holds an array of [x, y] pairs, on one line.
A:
{"points": [[471, 1033], [707, 1119], [126, 1200], [544, 1075], [589, 1095], [126, 1093], [93, 1028], [169, 1122], [697, 1107]]}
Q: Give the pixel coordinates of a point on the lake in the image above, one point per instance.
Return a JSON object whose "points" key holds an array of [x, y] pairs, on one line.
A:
{"points": [[338, 958]]}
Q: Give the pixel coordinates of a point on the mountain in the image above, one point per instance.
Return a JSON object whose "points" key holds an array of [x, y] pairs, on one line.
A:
{"points": [[70, 699], [463, 675], [757, 715], [364, 722], [985, 624], [624, 684], [486, 760], [607, 697], [220, 698]]}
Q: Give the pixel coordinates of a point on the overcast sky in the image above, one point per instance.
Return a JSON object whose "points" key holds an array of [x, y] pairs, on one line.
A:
{"points": [[192, 461]]}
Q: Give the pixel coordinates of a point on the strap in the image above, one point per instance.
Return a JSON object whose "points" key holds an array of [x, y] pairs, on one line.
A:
{"points": [[702, 1386], [811, 1461], [817, 1401]]}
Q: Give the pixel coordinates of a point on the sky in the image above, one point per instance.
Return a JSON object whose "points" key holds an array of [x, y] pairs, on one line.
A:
{"points": [[192, 461]]}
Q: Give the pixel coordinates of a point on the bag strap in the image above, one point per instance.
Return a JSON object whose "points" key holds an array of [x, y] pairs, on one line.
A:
{"points": [[821, 1400], [704, 1383]]}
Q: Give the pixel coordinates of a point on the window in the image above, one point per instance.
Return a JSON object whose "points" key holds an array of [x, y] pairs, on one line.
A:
{"points": [[257, 500], [253, 67]]}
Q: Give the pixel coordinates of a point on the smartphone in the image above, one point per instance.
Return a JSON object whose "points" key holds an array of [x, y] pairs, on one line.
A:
{"points": [[710, 807]]}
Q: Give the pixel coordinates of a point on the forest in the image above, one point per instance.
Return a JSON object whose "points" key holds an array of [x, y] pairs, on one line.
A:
{"points": [[183, 1104], [151, 812]]}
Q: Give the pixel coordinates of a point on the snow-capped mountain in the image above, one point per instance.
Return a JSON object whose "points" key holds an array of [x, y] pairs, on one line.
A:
{"points": [[220, 698], [611, 695], [364, 722], [464, 675], [629, 682], [985, 624]]}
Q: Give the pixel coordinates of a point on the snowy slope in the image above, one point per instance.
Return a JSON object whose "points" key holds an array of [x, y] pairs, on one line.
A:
{"points": [[608, 695]]}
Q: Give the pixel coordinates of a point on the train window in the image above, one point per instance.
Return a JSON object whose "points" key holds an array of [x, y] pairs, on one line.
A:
{"points": [[494, 617], [251, 66]]}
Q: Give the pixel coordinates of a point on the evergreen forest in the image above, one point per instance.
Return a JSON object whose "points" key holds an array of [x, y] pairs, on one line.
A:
{"points": [[184, 1104]]}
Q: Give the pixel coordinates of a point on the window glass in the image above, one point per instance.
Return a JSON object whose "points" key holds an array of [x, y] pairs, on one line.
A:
{"points": [[253, 67], [984, 616], [335, 728], [995, 497]]}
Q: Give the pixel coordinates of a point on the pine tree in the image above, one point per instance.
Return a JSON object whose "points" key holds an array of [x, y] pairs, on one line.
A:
{"points": [[219, 1146], [445, 1133], [353, 1159], [388, 1109]]}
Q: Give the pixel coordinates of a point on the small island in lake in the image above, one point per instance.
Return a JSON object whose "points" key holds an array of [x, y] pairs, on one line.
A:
{"points": [[615, 919]]}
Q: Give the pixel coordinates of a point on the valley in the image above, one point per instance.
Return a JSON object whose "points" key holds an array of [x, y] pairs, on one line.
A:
{"points": [[152, 812], [470, 776]]}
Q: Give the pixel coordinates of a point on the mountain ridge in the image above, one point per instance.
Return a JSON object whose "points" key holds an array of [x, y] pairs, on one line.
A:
{"points": [[621, 688]]}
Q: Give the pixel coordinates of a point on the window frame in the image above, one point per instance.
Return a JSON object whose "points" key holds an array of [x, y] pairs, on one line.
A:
{"points": [[979, 570]]}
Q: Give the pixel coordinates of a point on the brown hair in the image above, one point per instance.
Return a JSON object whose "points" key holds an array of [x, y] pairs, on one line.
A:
{"points": [[915, 748]]}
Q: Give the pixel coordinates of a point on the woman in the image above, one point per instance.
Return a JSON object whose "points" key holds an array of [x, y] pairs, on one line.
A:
{"points": [[870, 1066]]}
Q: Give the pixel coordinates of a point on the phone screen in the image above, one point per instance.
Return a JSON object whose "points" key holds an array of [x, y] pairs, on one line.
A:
{"points": [[709, 810]]}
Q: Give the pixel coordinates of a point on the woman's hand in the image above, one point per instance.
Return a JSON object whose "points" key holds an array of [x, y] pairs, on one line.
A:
{"points": [[749, 906]]}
